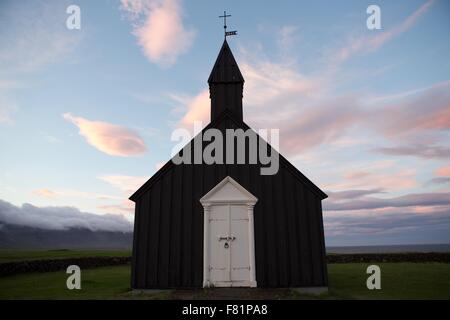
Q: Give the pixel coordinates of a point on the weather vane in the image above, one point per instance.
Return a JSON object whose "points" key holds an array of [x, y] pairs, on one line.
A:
{"points": [[227, 33]]}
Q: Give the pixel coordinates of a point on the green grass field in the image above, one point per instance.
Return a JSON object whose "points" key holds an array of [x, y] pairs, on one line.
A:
{"points": [[398, 281], [347, 281], [20, 255]]}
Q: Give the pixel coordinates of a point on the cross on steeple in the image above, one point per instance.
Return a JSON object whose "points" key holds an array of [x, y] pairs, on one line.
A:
{"points": [[227, 33]]}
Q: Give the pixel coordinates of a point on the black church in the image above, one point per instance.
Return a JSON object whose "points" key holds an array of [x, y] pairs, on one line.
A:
{"points": [[228, 225]]}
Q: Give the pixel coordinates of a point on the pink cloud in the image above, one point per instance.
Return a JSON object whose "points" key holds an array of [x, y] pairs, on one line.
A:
{"points": [[162, 35], [109, 138], [308, 128], [423, 150], [267, 82], [356, 175], [126, 207], [197, 109], [53, 194], [443, 172], [45, 193], [126, 184], [368, 44], [383, 178], [410, 116], [305, 112], [308, 115]]}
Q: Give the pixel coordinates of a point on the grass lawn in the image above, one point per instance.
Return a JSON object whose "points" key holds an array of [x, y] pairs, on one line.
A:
{"points": [[398, 281], [347, 281], [20, 255], [98, 283]]}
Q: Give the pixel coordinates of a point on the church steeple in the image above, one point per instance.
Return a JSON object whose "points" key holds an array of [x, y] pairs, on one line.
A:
{"points": [[226, 85]]}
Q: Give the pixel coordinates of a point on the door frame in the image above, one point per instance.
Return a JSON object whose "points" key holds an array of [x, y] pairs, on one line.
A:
{"points": [[208, 201]]}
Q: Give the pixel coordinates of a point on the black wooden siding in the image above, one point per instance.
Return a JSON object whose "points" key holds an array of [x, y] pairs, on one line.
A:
{"points": [[168, 240]]}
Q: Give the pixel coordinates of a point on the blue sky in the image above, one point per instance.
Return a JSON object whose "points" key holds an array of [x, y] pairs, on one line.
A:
{"points": [[86, 115]]}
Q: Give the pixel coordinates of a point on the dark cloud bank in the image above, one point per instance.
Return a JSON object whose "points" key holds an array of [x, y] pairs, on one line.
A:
{"points": [[352, 217], [400, 227], [60, 218], [30, 227], [408, 200]]}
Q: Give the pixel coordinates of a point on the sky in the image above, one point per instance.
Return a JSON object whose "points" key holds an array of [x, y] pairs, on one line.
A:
{"points": [[86, 115]]}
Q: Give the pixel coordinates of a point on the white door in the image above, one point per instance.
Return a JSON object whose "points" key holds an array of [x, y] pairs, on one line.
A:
{"points": [[228, 236], [230, 251]]}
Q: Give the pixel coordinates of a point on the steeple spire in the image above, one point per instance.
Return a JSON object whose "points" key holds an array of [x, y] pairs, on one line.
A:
{"points": [[226, 84]]}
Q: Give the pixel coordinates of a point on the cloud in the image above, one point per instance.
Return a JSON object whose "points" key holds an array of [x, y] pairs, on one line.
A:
{"points": [[385, 175], [126, 184], [197, 109], [439, 180], [52, 194], [442, 176], [111, 139], [367, 44], [352, 194], [115, 204], [405, 94], [411, 116], [268, 82], [287, 36], [135, 7], [45, 193], [60, 218], [125, 207], [161, 33], [317, 125], [34, 35], [443, 172], [304, 112], [409, 200], [398, 225], [307, 117], [417, 150]]}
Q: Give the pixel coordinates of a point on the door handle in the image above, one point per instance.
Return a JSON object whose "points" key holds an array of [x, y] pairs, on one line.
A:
{"points": [[227, 238]]}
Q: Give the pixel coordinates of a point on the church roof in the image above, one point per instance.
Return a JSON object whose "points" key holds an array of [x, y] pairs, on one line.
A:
{"points": [[226, 68], [226, 114]]}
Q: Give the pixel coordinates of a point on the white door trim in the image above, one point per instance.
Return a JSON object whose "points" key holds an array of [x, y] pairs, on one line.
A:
{"points": [[244, 198]]}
